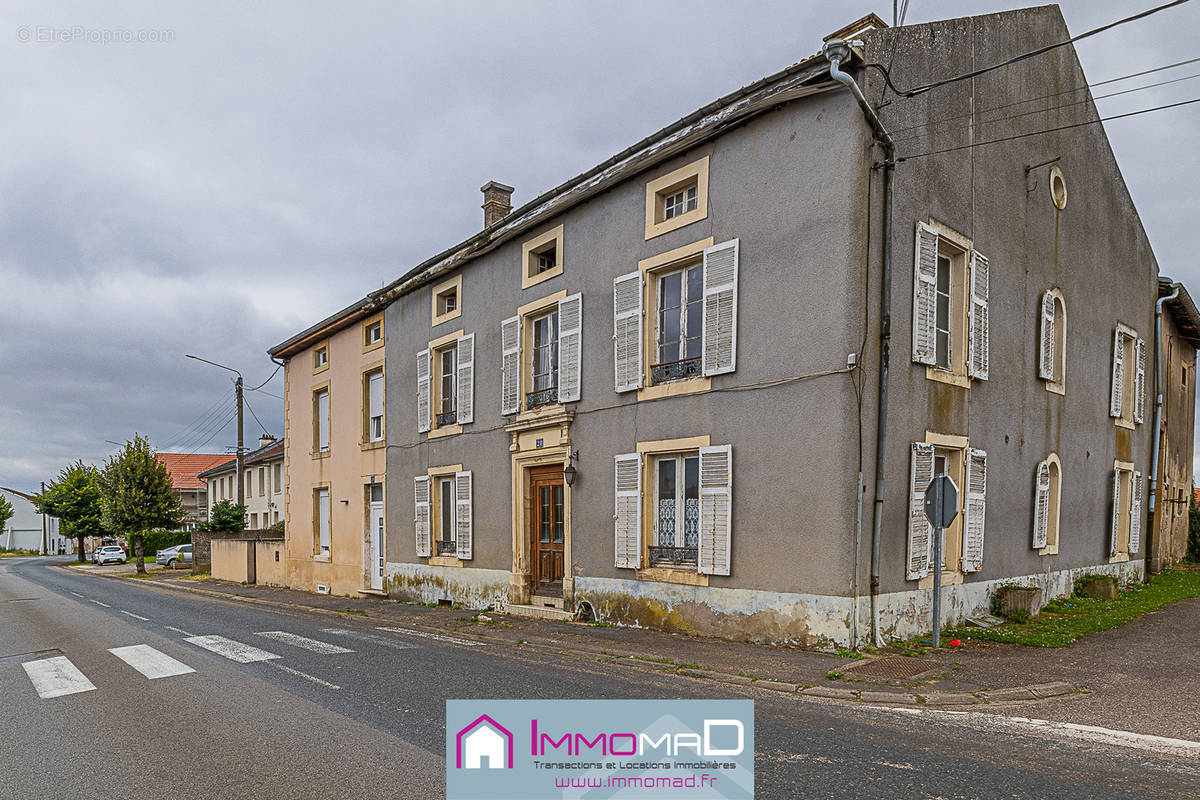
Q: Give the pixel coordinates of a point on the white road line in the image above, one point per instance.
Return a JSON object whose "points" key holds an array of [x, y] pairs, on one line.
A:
{"points": [[97, 602], [1069, 730], [312, 645], [57, 676], [306, 676], [386, 641], [437, 636], [150, 662], [77, 594], [177, 630], [135, 616], [234, 651]]}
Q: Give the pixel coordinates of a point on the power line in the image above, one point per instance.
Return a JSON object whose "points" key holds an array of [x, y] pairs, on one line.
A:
{"points": [[203, 420], [207, 432], [256, 419], [1049, 130], [216, 432], [268, 380], [1148, 71], [1030, 54]]}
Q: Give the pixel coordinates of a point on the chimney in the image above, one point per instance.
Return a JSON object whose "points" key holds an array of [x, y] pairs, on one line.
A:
{"points": [[265, 440], [497, 202]]}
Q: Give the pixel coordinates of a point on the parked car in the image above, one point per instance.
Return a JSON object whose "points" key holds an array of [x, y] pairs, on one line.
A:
{"points": [[109, 554], [181, 553]]}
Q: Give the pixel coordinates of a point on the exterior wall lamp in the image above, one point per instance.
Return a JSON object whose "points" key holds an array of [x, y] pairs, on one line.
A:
{"points": [[569, 471]]}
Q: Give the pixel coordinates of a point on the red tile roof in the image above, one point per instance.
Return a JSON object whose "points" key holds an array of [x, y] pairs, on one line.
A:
{"points": [[184, 467]]}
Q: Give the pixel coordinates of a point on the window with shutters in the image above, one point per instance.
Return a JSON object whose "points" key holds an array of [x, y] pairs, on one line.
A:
{"points": [[446, 300], [951, 292], [446, 384], [446, 538], [373, 431], [677, 198], [320, 405], [1127, 401], [962, 550], [1126, 528], [321, 521], [676, 525], [372, 333], [678, 326], [1047, 494], [1052, 341], [262, 481], [277, 484], [321, 358], [542, 257], [542, 349], [444, 515], [444, 381]]}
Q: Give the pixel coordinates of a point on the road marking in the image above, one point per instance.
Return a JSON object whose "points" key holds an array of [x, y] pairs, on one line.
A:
{"points": [[234, 651], [306, 676], [150, 662], [1092, 734], [438, 636], [135, 616], [386, 641], [177, 630], [77, 594], [55, 677], [97, 602], [324, 648]]}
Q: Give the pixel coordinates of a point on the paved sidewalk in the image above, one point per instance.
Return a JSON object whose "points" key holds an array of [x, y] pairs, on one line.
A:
{"points": [[1140, 677]]}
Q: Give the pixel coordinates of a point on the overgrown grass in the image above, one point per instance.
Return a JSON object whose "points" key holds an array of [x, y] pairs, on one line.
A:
{"points": [[1064, 620], [17, 553]]}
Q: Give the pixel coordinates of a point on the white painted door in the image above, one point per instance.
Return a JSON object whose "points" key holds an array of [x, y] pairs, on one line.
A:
{"points": [[376, 550]]}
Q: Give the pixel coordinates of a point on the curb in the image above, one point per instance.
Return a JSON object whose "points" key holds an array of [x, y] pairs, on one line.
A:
{"points": [[1014, 695]]}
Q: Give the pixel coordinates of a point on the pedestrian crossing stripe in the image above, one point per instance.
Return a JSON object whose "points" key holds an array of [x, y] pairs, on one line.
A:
{"points": [[56, 677], [150, 662], [234, 651], [312, 645]]}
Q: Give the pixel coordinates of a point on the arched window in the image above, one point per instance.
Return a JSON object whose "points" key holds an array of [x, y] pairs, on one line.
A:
{"points": [[1046, 504], [1052, 363]]}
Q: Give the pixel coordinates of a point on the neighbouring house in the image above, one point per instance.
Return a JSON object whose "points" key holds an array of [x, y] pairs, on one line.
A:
{"points": [[1171, 493], [335, 456], [262, 476], [704, 385], [185, 469], [30, 530]]}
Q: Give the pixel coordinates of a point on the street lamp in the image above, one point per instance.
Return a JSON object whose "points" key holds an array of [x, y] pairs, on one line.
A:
{"points": [[241, 490]]}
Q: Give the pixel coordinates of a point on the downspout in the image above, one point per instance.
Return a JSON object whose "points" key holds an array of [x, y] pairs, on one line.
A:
{"points": [[837, 52], [1158, 394]]}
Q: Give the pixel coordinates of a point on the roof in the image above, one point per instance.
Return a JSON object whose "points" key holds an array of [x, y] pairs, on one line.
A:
{"points": [[1183, 309], [17, 493], [185, 468], [805, 77], [263, 454]]}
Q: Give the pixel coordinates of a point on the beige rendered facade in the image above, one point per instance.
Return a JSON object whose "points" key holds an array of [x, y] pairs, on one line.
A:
{"points": [[334, 459]]}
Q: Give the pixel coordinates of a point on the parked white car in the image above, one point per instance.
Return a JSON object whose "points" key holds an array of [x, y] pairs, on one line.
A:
{"points": [[109, 554], [181, 553]]}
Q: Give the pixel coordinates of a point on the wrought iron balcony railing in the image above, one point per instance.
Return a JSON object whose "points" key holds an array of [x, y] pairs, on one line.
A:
{"points": [[675, 370], [673, 556]]}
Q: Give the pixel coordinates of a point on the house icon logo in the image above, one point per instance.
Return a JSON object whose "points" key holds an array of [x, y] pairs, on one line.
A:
{"points": [[484, 739]]}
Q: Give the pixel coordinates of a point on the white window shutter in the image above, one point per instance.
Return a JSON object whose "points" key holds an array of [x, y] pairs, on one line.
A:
{"points": [[627, 331], [1139, 382], [1118, 374], [570, 347], [1116, 513], [974, 510], [719, 348], [463, 515], [465, 379], [627, 516], [716, 509], [979, 333], [1046, 362], [920, 534], [510, 366], [423, 401], [1135, 515], [925, 296], [421, 516], [375, 394], [1041, 506]]}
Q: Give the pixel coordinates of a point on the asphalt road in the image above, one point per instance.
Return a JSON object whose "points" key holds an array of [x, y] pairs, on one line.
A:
{"points": [[370, 723]]}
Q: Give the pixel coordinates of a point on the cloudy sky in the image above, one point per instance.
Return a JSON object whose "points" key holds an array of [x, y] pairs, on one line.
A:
{"points": [[264, 164]]}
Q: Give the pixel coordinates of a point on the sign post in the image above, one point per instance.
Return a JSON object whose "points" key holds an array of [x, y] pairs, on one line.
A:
{"points": [[941, 507]]}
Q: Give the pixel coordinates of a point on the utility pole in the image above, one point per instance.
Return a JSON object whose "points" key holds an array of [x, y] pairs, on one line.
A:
{"points": [[240, 448], [45, 539]]}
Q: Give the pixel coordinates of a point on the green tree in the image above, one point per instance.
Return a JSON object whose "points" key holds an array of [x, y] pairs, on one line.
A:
{"points": [[138, 494], [74, 497], [6, 512], [226, 516], [1193, 544]]}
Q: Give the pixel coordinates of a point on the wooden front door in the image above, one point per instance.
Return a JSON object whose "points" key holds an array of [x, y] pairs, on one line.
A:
{"points": [[546, 530]]}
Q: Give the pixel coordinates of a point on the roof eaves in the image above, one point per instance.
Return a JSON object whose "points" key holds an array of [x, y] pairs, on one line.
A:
{"points": [[1183, 309]]}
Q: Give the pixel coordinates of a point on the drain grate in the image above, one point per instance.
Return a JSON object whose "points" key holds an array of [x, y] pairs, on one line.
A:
{"points": [[893, 668]]}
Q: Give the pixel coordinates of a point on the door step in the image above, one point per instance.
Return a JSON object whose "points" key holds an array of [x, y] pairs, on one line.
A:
{"points": [[540, 612], [373, 592]]}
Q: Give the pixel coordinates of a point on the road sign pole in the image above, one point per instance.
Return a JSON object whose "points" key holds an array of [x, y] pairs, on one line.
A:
{"points": [[938, 534]]}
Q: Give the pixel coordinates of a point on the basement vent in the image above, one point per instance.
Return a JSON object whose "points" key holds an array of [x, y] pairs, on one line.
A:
{"points": [[322, 588], [446, 603]]}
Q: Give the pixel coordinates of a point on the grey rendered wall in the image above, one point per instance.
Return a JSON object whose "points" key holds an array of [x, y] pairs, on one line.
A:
{"points": [[789, 186], [1095, 250]]}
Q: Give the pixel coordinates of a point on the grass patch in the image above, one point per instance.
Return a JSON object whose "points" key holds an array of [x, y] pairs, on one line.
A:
{"points": [[199, 577], [1064, 620], [844, 653], [17, 553], [357, 612]]}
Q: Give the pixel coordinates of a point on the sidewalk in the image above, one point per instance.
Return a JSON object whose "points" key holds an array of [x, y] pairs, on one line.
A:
{"points": [[1138, 677]]}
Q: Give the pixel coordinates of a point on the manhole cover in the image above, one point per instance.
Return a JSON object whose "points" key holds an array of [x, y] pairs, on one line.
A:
{"points": [[894, 668]]}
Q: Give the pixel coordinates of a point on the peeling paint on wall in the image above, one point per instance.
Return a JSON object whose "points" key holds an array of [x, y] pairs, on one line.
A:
{"points": [[464, 586]]}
